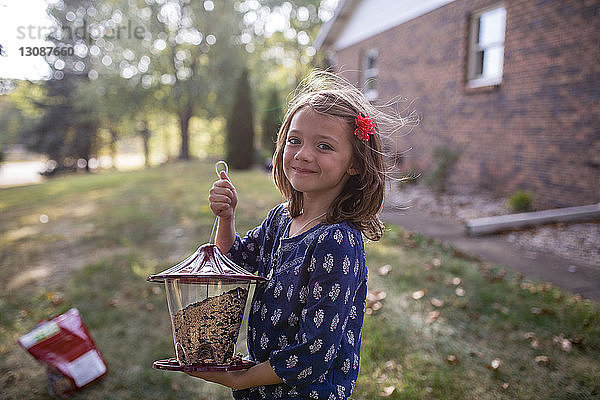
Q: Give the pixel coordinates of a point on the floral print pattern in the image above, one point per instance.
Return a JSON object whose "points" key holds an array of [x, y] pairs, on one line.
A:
{"points": [[307, 320]]}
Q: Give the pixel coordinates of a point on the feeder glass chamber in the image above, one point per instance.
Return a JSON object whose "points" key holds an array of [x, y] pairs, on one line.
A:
{"points": [[206, 320]]}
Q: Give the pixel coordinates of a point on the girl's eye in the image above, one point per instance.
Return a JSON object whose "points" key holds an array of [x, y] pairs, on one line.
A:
{"points": [[324, 146], [293, 140]]}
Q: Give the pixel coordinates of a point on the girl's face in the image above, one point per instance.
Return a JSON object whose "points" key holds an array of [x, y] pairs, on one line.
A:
{"points": [[317, 158]]}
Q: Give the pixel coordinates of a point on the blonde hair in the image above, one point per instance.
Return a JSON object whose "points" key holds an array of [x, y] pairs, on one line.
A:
{"points": [[362, 198]]}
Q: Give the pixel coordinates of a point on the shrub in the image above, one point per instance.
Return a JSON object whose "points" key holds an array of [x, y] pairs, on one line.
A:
{"points": [[520, 201], [240, 128], [271, 121], [444, 159]]}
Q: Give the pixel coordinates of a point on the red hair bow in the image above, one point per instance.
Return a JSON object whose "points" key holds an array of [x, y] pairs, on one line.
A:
{"points": [[364, 127]]}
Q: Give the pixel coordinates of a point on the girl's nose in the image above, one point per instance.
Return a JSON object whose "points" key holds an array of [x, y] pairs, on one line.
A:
{"points": [[303, 154]]}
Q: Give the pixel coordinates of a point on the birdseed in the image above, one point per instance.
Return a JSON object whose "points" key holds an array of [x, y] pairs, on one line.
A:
{"points": [[206, 331]]}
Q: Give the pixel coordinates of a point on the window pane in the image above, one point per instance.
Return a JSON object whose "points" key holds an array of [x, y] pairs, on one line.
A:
{"points": [[492, 27], [492, 62], [478, 70], [371, 61]]}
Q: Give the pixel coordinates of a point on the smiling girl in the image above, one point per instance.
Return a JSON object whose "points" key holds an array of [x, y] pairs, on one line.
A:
{"points": [[305, 324]]}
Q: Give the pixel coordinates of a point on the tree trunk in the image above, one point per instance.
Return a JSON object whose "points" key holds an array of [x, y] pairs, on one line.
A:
{"points": [[114, 138], [184, 125]]}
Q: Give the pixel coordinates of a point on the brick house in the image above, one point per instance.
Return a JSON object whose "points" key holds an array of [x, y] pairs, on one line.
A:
{"points": [[512, 85]]}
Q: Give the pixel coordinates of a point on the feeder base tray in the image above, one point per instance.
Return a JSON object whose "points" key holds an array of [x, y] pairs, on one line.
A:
{"points": [[171, 364]]}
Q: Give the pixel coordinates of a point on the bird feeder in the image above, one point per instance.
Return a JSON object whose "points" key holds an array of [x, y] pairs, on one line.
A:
{"points": [[208, 300]]}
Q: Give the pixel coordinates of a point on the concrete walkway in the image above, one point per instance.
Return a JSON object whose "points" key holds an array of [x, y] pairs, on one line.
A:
{"points": [[568, 274]]}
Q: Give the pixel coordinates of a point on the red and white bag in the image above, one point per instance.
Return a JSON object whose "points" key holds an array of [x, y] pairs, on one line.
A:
{"points": [[64, 344]]}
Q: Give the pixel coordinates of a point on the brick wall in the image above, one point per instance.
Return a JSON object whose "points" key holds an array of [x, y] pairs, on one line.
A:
{"points": [[539, 130]]}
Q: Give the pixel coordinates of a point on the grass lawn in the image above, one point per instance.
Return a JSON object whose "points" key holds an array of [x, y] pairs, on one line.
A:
{"points": [[440, 325]]}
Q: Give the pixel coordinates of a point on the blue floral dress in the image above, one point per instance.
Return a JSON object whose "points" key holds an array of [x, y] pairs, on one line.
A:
{"points": [[307, 320]]}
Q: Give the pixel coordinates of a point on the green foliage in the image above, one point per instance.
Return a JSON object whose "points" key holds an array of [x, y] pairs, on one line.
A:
{"points": [[444, 160], [271, 121], [68, 129], [240, 127], [19, 110], [520, 201]]}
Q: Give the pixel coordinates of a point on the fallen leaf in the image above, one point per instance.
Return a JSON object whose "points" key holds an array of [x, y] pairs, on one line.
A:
{"points": [[460, 292], [578, 340], [501, 308], [495, 364], [505, 385], [380, 295], [456, 281], [419, 294], [377, 306], [535, 344], [452, 359], [387, 391], [376, 295], [529, 335], [474, 316], [432, 317], [541, 359], [390, 364], [436, 262], [57, 299], [386, 269], [436, 302], [565, 344]]}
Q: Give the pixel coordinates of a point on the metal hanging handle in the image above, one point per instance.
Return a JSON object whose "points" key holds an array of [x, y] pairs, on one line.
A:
{"points": [[218, 171]]}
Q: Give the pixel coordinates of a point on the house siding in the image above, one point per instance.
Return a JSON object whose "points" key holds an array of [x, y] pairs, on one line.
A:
{"points": [[539, 130]]}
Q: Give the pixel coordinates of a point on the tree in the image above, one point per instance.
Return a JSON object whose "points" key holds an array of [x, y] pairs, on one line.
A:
{"points": [[240, 127], [271, 121], [189, 56], [132, 58]]}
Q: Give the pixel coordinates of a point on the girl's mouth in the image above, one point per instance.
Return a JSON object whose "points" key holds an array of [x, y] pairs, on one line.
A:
{"points": [[303, 171]]}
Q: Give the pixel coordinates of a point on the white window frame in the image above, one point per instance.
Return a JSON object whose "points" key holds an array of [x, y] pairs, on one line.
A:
{"points": [[370, 74], [477, 75]]}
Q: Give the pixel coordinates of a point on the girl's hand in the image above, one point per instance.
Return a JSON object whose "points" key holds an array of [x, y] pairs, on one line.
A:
{"points": [[258, 375], [224, 378], [222, 198]]}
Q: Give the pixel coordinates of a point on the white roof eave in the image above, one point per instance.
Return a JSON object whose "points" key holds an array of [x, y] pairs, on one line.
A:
{"points": [[332, 28]]}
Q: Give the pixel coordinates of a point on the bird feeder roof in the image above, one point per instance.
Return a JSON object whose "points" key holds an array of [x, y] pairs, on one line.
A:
{"points": [[207, 265]]}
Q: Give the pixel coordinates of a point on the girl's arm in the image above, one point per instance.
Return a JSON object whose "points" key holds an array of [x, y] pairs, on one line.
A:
{"points": [[259, 375], [225, 234], [222, 199]]}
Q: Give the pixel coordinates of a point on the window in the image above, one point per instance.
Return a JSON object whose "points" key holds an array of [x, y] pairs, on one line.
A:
{"points": [[486, 47], [370, 74]]}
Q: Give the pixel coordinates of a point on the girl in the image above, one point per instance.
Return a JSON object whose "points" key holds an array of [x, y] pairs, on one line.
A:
{"points": [[305, 324]]}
